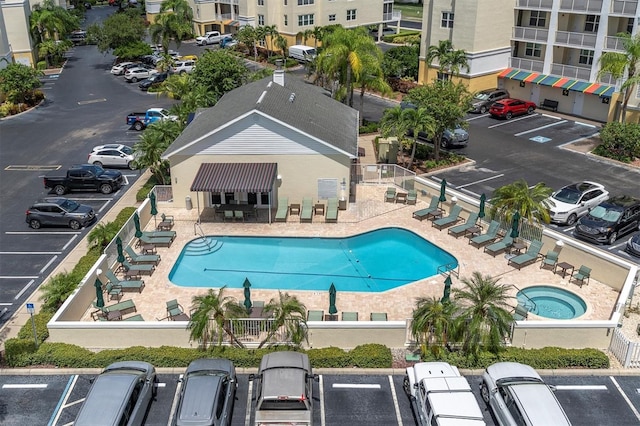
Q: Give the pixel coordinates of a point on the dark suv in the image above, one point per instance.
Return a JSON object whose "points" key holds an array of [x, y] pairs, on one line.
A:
{"points": [[483, 100], [59, 212], [610, 219], [153, 81]]}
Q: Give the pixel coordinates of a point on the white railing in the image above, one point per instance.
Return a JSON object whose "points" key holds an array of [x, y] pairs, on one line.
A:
{"points": [[608, 79], [530, 34], [614, 43], [623, 7], [223, 16], [527, 64], [577, 73], [627, 352], [535, 4], [392, 16], [383, 174], [575, 39], [581, 5]]}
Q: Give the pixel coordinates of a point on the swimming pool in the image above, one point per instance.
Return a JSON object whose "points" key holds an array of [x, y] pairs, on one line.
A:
{"points": [[552, 302], [373, 261]]}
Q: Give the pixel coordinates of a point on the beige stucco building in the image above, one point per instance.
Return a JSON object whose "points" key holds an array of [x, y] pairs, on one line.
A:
{"points": [[267, 139]]}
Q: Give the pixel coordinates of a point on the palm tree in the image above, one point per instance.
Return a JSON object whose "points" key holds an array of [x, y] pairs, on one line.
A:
{"points": [[305, 35], [153, 143], [318, 34], [281, 43], [57, 290], [271, 31], [248, 36], [48, 21], [53, 50], [449, 60], [211, 317], [176, 25], [398, 121], [616, 63], [102, 234], [289, 317], [372, 79], [484, 318], [177, 86], [530, 202], [431, 323]]}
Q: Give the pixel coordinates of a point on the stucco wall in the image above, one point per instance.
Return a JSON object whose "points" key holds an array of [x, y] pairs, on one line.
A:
{"points": [[343, 335], [563, 337]]}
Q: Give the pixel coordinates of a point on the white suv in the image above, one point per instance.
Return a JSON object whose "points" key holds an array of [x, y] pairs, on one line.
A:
{"points": [[182, 67], [572, 201], [114, 155], [441, 396]]}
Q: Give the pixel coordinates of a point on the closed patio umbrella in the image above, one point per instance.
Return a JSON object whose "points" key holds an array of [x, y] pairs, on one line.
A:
{"points": [[443, 190], [332, 300], [136, 222], [119, 247], [247, 295], [154, 208], [447, 290], [515, 225], [481, 213], [99, 298]]}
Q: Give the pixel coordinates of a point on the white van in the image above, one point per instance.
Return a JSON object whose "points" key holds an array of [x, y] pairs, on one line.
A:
{"points": [[302, 53]]}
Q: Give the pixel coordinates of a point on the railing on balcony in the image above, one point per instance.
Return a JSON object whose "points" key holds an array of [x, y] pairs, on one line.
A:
{"points": [[569, 71], [535, 4], [223, 16], [530, 34], [576, 39], [608, 79], [581, 5], [623, 7], [393, 16], [527, 64], [614, 43]]}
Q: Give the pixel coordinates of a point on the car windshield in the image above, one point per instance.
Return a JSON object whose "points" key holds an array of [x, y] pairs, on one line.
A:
{"points": [[69, 205], [126, 150], [481, 96], [608, 215], [164, 112], [567, 195]]}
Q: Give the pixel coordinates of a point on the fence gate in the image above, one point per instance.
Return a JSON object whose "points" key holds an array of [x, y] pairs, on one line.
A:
{"points": [[627, 352]]}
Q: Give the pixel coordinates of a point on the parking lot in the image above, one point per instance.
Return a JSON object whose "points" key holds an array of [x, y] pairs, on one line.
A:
{"points": [[338, 400]]}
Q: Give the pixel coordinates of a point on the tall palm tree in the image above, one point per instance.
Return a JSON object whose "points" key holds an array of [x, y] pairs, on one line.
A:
{"points": [[289, 317], [484, 318], [398, 122], [48, 21], [271, 31], [431, 323], [176, 25], [281, 43], [153, 143], [305, 35], [211, 317], [248, 36], [317, 34], [57, 290], [449, 60], [102, 234], [530, 202], [372, 79], [616, 63], [176, 86]]}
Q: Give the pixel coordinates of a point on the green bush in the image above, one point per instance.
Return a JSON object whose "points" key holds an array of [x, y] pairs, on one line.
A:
{"points": [[331, 357], [368, 127], [143, 192], [620, 141], [41, 319], [41, 65], [17, 350], [371, 355]]}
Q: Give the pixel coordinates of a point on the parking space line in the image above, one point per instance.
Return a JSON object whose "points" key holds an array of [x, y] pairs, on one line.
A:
{"points": [[23, 253], [174, 404], [44, 268], [480, 181], [17, 277], [475, 118], [70, 241], [540, 128], [513, 121], [581, 387], [625, 397], [395, 401], [21, 292], [6, 304], [247, 416], [356, 386], [551, 116], [63, 400], [585, 124], [25, 386], [321, 387]]}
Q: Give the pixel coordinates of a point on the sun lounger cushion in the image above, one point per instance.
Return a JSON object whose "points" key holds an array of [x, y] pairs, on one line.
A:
{"points": [[487, 237], [125, 285], [283, 209], [448, 220], [332, 210], [424, 213], [307, 210], [146, 268], [125, 307], [500, 246], [315, 315], [142, 258], [458, 230], [156, 241]]}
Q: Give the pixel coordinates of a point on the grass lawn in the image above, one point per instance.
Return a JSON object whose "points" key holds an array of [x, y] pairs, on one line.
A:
{"points": [[409, 11]]}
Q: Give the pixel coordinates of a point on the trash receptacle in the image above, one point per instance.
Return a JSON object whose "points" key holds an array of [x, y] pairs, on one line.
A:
{"points": [[187, 203]]}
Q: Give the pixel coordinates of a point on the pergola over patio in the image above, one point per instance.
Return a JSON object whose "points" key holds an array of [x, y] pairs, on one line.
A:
{"points": [[236, 177]]}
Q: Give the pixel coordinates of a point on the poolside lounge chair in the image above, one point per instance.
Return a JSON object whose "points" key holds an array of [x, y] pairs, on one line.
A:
{"points": [[166, 223], [283, 210], [424, 213], [161, 234], [174, 309], [124, 285], [332, 210], [550, 259], [114, 291], [390, 195], [141, 258], [487, 237], [238, 215], [306, 214], [529, 257], [458, 230], [520, 313], [451, 219], [136, 317], [349, 316], [412, 197], [227, 215], [502, 245], [125, 307], [315, 315], [378, 316], [582, 274], [143, 268], [155, 241]]}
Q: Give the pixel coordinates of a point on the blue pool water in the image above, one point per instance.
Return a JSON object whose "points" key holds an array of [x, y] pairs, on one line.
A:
{"points": [[374, 261], [552, 302]]}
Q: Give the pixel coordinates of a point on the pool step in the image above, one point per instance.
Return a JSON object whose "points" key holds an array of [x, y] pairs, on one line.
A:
{"points": [[202, 246]]}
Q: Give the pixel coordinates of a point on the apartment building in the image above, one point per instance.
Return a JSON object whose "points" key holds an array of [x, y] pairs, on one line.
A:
{"points": [[291, 17], [15, 32]]}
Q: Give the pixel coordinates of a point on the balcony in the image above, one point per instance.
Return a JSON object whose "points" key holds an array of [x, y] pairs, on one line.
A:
{"points": [[624, 8], [613, 43], [392, 17], [608, 79], [527, 64], [534, 4], [530, 34], [576, 73], [570, 39], [594, 6]]}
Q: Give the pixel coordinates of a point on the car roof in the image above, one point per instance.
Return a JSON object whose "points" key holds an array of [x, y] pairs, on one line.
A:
{"points": [[505, 370], [456, 409], [284, 374], [539, 404], [434, 369], [199, 399], [50, 200], [215, 364], [583, 186], [108, 146]]}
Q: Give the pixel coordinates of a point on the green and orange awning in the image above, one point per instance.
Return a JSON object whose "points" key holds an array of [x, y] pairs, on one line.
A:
{"points": [[602, 90]]}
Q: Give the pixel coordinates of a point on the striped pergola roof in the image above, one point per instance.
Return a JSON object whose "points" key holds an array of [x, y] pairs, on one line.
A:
{"points": [[235, 177]]}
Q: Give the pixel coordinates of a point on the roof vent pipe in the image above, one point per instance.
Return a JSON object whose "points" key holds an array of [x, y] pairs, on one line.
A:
{"points": [[278, 74]]}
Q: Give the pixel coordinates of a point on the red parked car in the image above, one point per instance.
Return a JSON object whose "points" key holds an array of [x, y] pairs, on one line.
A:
{"points": [[507, 108]]}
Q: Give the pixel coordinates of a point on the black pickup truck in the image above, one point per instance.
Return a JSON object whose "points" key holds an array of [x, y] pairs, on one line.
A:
{"points": [[85, 177]]}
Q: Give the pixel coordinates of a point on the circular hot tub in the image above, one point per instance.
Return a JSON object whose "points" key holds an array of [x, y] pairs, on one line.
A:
{"points": [[552, 302]]}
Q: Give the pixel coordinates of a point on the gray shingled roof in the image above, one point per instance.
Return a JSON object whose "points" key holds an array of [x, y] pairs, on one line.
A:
{"points": [[308, 110]]}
